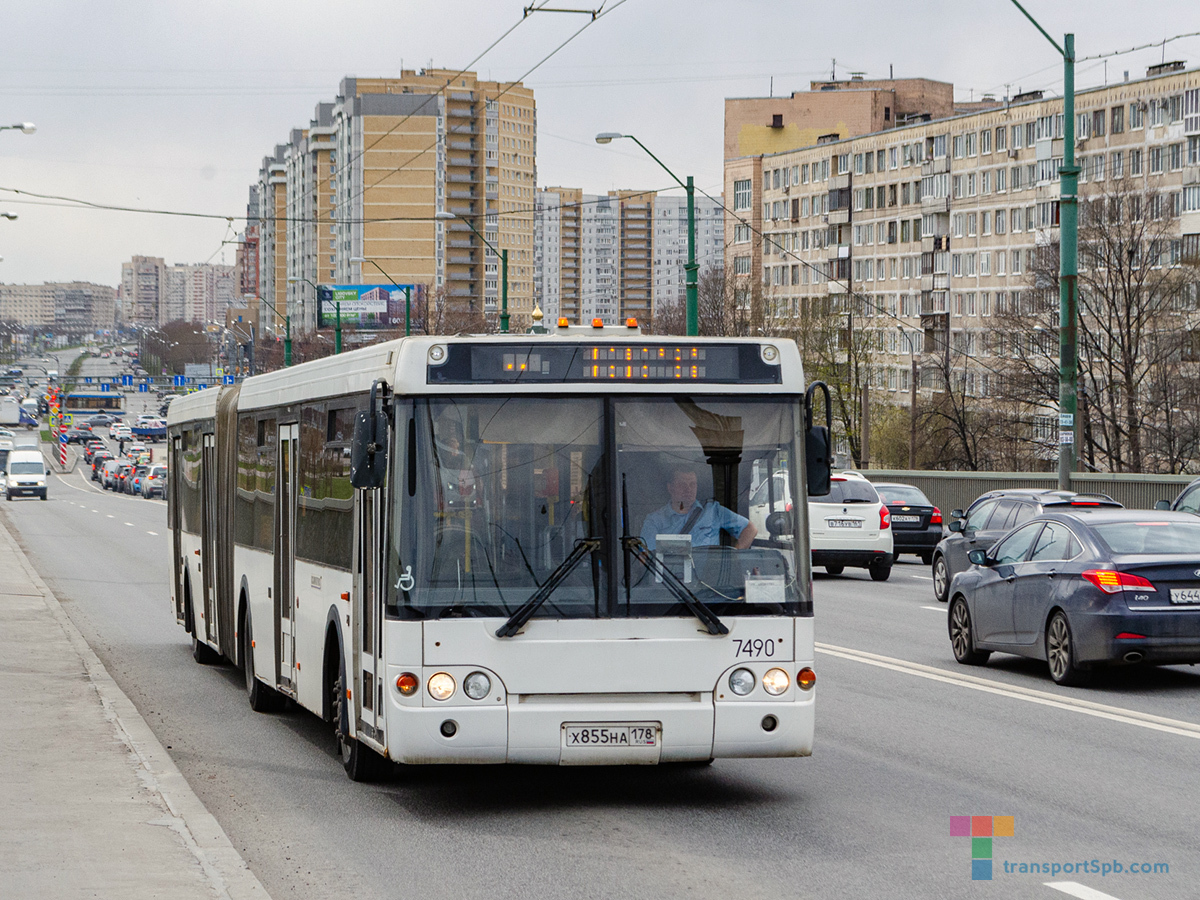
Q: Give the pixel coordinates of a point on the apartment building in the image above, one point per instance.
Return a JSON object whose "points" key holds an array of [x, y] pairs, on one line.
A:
{"points": [[71, 308], [926, 233], [369, 177], [618, 255], [143, 290]]}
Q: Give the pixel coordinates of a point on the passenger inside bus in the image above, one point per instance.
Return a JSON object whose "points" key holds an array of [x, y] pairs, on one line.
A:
{"points": [[684, 514]]}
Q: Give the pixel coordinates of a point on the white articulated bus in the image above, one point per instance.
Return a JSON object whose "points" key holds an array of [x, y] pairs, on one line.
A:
{"points": [[509, 548]]}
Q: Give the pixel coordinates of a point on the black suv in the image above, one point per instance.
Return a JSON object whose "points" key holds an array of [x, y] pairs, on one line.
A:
{"points": [[992, 516]]}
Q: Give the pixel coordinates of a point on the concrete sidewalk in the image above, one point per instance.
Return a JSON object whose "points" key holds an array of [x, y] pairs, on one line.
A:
{"points": [[91, 805]]}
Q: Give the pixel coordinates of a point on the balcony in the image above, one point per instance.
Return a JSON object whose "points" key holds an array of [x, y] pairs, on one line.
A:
{"points": [[935, 204], [460, 276], [839, 182], [935, 166], [938, 281], [839, 216], [461, 112], [463, 195], [461, 145]]}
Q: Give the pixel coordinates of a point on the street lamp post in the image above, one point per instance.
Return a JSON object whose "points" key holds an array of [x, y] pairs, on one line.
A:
{"points": [[23, 127], [407, 301], [693, 313], [1068, 263], [287, 339], [503, 254]]}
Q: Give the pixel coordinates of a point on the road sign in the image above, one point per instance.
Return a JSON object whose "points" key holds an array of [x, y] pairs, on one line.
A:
{"points": [[180, 381], [227, 379], [87, 379], [106, 386], [143, 388], [126, 379]]}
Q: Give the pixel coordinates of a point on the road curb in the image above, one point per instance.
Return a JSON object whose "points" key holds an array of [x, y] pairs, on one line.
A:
{"points": [[197, 829]]}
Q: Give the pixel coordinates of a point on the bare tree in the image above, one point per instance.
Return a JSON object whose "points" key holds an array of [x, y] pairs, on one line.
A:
{"points": [[1137, 312]]}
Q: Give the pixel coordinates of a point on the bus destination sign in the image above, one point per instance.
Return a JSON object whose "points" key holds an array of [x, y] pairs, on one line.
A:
{"points": [[644, 363]]}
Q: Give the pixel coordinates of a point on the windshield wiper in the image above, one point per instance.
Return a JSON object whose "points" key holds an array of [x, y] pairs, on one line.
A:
{"points": [[637, 547], [523, 614]]}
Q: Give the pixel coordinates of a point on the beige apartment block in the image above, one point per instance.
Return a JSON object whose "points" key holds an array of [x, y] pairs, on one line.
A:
{"points": [[143, 290], [369, 176], [922, 228], [71, 308]]}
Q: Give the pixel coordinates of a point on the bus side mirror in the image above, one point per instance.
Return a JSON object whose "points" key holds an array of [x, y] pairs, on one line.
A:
{"points": [[368, 452], [818, 443]]}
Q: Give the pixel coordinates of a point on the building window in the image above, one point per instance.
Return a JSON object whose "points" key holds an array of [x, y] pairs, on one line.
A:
{"points": [[1175, 154], [1135, 115], [741, 194], [1117, 114], [741, 234], [1156, 160], [741, 265]]}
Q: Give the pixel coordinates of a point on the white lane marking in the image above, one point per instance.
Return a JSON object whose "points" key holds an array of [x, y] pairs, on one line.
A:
{"points": [[1042, 698], [922, 577], [155, 533], [1075, 889], [111, 516], [130, 524], [940, 609]]}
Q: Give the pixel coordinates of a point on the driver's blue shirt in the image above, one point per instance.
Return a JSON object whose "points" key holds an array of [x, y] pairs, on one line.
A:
{"points": [[706, 532]]}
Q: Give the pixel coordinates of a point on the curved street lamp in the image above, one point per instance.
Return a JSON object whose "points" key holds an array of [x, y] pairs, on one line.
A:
{"points": [[23, 127], [503, 254], [693, 315]]}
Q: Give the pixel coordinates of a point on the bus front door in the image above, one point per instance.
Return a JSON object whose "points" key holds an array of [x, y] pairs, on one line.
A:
{"points": [[208, 539], [175, 474], [367, 620], [285, 559]]}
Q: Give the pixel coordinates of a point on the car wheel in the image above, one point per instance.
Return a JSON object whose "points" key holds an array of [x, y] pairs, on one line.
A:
{"points": [[43, 495], [941, 579], [879, 572], [962, 636], [1060, 652], [835, 570], [927, 558]]}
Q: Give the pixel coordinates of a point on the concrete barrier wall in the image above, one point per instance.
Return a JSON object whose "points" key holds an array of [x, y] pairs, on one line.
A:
{"points": [[956, 490]]}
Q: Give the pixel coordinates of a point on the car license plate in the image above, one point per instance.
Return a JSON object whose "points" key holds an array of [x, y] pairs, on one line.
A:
{"points": [[640, 734], [1185, 595], [844, 523], [906, 518]]}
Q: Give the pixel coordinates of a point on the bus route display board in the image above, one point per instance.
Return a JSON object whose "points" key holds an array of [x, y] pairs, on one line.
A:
{"points": [[595, 363]]}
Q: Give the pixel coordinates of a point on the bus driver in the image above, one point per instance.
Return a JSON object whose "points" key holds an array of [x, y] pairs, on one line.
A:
{"points": [[684, 514]]}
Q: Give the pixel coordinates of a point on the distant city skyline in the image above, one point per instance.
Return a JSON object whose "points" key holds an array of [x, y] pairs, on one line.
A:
{"points": [[157, 108]]}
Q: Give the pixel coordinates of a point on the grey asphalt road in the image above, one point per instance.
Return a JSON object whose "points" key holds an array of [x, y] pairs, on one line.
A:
{"points": [[906, 739]]}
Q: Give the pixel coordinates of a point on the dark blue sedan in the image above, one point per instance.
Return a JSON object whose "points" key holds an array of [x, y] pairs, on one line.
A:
{"points": [[1082, 590]]}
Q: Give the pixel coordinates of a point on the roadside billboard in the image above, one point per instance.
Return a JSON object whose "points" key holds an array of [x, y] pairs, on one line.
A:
{"points": [[365, 305]]}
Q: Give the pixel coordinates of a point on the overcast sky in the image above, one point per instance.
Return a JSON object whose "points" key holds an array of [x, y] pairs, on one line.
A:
{"points": [[171, 106]]}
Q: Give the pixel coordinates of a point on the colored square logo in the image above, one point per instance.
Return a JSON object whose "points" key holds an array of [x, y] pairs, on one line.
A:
{"points": [[960, 826], [982, 830], [981, 848], [981, 870], [981, 826]]}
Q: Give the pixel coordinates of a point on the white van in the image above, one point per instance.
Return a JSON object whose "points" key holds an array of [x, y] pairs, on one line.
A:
{"points": [[25, 473]]}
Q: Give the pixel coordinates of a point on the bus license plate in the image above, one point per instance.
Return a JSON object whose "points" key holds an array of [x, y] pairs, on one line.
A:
{"points": [[642, 734], [1185, 595], [844, 523]]}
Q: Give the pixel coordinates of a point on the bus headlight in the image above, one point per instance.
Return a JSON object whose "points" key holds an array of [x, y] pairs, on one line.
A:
{"points": [[741, 681], [477, 685], [776, 681], [441, 686]]}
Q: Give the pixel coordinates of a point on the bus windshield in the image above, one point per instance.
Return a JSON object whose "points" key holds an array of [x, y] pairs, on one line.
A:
{"points": [[495, 496]]}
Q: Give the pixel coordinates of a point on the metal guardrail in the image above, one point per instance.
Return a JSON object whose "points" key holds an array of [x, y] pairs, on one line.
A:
{"points": [[956, 490]]}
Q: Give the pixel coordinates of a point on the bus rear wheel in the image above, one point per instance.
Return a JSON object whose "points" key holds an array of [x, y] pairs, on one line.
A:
{"points": [[262, 698]]}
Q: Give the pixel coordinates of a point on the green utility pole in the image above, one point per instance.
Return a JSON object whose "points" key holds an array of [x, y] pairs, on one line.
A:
{"points": [[693, 303], [693, 314], [407, 311], [337, 327], [503, 290], [287, 343], [1068, 268]]}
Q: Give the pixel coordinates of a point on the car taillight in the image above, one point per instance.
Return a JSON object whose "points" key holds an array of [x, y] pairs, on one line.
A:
{"points": [[936, 518], [788, 508], [885, 518], [1114, 582]]}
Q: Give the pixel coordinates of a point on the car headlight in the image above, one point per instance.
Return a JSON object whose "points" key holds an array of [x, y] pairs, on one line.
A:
{"points": [[441, 686], [477, 685], [775, 682], [741, 681]]}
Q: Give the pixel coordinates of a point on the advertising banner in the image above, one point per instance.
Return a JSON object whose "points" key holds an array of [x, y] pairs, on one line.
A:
{"points": [[365, 305]]}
